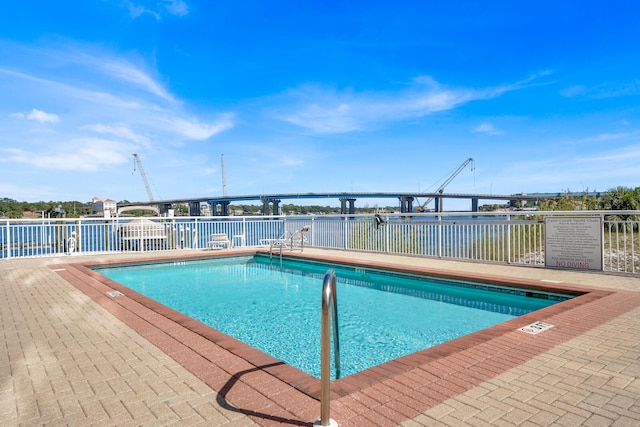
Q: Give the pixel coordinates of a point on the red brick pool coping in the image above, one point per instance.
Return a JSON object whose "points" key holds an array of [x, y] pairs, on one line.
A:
{"points": [[272, 393]]}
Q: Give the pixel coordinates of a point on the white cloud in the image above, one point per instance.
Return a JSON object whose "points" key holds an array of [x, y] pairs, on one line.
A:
{"points": [[324, 119], [137, 10], [38, 116], [111, 105], [326, 110], [71, 65], [599, 171], [629, 154], [280, 157], [119, 131], [195, 129], [488, 129], [574, 91], [158, 8], [607, 137], [127, 72], [107, 66], [603, 90], [289, 160], [176, 7], [87, 154], [42, 117]]}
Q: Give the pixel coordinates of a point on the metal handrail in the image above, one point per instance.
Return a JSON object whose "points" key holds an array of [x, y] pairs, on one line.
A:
{"points": [[329, 309]]}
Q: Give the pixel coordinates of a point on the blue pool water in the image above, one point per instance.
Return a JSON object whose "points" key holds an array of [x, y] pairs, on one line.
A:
{"points": [[276, 308]]}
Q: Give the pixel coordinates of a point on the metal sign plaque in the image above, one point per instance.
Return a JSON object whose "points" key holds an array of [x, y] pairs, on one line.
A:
{"points": [[573, 242]]}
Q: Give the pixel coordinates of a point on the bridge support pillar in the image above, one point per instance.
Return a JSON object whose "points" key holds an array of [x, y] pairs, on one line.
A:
{"points": [[194, 208], [265, 206], [438, 204], [164, 208], [406, 204], [224, 208], [343, 206], [474, 204]]}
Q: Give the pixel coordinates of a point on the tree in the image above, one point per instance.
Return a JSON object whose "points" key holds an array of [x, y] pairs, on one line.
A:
{"points": [[590, 203], [180, 209], [565, 203], [10, 208], [621, 198]]}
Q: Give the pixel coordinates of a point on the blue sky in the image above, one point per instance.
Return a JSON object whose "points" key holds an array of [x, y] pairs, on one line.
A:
{"points": [[316, 96]]}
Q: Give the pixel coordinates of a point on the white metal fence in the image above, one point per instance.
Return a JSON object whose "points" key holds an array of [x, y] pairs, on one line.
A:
{"points": [[513, 237]]}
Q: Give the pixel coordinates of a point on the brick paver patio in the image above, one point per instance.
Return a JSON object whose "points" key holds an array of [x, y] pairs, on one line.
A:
{"points": [[73, 356]]}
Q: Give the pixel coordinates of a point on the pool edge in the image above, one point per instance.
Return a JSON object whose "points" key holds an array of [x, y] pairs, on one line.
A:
{"points": [[450, 360]]}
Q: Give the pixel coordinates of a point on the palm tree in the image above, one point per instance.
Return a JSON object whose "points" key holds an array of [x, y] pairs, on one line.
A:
{"points": [[622, 198]]}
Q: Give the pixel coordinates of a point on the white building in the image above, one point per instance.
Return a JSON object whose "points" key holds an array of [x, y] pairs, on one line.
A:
{"points": [[105, 205]]}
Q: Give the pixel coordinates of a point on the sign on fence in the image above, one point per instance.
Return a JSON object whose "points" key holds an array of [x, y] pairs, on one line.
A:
{"points": [[573, 242]]}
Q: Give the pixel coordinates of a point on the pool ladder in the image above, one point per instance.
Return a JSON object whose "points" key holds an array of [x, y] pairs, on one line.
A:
{"points": [[329, 312]]}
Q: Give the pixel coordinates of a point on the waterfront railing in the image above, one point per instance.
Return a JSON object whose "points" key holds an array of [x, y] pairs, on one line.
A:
{"points": [[505, 237]]}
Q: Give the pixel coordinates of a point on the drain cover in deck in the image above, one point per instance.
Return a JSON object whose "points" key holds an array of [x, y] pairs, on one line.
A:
{"points": [[536, 328], [114, 294]]}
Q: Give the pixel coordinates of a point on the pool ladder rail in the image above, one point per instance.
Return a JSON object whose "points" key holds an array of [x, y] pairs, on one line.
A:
{"points": [[329, 312]]}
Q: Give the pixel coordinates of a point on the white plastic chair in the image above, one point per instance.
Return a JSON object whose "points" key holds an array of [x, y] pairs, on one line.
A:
{"points": [[218, 241]]}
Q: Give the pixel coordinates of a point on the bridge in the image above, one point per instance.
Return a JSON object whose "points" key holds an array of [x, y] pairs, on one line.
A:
{"points": [[271, 203]]}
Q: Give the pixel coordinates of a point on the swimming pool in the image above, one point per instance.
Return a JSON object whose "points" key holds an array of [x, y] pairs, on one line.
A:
{"points": [[276, 307]]}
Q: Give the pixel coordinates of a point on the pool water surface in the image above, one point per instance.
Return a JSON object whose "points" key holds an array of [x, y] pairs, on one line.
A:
{"points": [[275, 307]]}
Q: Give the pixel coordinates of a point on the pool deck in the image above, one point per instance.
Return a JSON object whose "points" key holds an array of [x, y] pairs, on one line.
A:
{"points": [[73, 355]]}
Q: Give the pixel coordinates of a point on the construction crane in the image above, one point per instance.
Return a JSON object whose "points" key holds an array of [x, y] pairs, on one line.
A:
{"points": [[224, 178], [144, 177], [444, 184]]}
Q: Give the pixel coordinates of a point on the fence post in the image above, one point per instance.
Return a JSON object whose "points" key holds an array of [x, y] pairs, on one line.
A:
{"points": [[8, 244], [195, 242], [106, 240], [439, 236], [79, 236], [508, 238], [604, 257], [345, 234], [313, 230], [141, 236], [387, 237]]}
